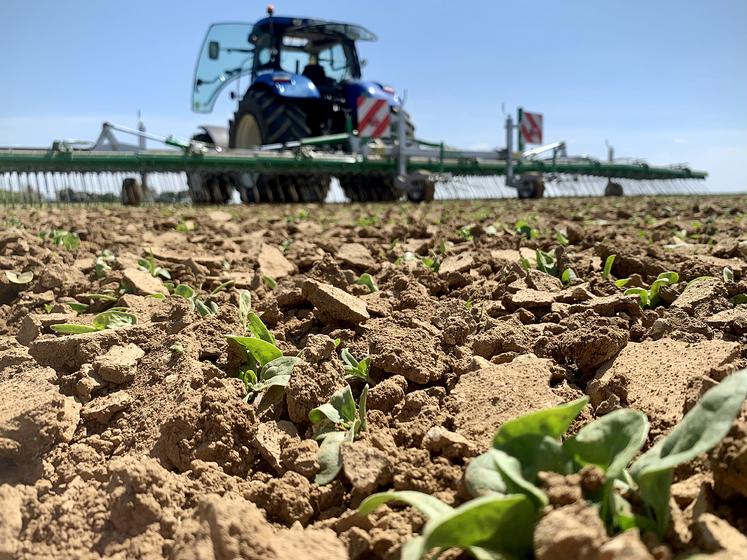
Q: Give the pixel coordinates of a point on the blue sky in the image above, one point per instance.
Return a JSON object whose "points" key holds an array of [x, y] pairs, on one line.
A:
{"points": [[663, 80]]}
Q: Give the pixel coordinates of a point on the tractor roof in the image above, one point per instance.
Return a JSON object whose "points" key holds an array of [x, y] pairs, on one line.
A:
{"points": [[315, 27]]}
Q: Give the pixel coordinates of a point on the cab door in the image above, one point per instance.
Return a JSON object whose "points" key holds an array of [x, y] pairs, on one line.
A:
{"points": [[225, 56]]}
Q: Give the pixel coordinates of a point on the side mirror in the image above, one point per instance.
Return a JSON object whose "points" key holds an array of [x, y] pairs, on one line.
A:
{"points": [[213, 50]]}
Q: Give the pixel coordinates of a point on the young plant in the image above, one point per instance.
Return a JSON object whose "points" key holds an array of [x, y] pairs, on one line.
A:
{"points": [[522, 227], [561, 238], [113, 318], [62, 238], [727, 274], [203, 308], [16, 278], [649, 298], [355, 369], [260, 354], [367, 280], [608, 262], [335, 423], [103, 263], [500, 520], [148, 264], [466, 234]]}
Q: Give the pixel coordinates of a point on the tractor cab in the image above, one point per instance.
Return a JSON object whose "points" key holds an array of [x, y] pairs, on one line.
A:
{"points": [[279, 50]]}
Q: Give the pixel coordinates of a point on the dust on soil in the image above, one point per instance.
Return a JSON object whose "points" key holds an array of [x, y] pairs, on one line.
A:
{"points": [[137, 442]]}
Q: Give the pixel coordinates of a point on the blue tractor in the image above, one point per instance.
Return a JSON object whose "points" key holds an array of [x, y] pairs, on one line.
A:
{"points": [[304, 81]]}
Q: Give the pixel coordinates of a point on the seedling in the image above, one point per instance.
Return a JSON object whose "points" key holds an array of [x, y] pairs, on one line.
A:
{"points": [[367, 280], [649, 298], [62, 238], [148, 264], [522, 227], [113, 318], [261, 354], [466, 233], [561, 238], [185, 226], [568, 276], [728, 274], [223, 287], [608, 262], [270, 282], [16, 278], [203, 308], [507, 503], [103, 261], [77, 307], [335, 423], [355, 369]]}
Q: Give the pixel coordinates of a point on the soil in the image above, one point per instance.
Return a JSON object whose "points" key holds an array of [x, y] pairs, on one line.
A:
{"points": [[137, 442]]}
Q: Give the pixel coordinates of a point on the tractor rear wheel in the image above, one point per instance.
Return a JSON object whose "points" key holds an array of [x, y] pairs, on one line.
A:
{"points": [[264, 118]]}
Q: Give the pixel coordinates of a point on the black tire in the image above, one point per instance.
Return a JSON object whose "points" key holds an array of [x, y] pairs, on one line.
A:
{"points": [[209, 188], [369, 188], [531, 185], [278, 120], [613, 189], [132, 192]]}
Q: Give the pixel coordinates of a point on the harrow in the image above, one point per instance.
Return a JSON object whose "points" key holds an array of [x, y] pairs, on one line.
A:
{"points": [[107, 170]]}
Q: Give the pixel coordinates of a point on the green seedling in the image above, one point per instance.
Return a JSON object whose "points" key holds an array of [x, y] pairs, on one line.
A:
{"points": [[48, 307], [335, 423], [546, 262], [270, 282], [77, 307], [223, 287], [203, 308], [466, 233], [507, 502], [62, 238], [367, 280], [16, 278], [113, 318], [728, 274], [522, 227], [649, 298], [105, 297], [185, 226], [568, 276], [355, 369], [561, 238], [260, 354], [103, 263], [148, 264], [607, 270]]}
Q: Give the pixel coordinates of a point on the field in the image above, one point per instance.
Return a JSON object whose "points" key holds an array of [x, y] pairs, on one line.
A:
{"points": [[375, 348]]}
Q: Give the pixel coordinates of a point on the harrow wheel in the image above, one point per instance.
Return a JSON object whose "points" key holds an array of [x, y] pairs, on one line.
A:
{"points": [[369, 188], [264, 118], [531, 185], [613, 189]]}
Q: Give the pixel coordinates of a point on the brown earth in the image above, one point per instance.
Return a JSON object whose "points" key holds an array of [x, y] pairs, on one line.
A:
{"points": [[137, 442]]}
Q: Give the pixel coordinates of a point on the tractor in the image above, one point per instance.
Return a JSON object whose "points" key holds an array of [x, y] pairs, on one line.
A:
{"points": [[304, 81]]}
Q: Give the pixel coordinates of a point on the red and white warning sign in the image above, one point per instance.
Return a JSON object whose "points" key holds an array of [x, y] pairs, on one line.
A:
{"points": [[531, 127], [373, 118]]}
